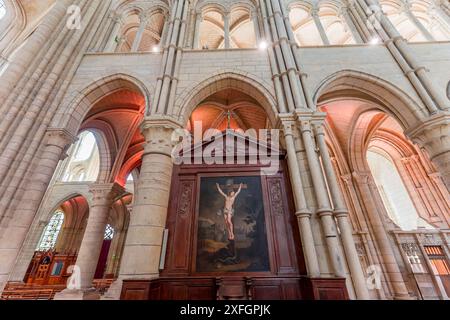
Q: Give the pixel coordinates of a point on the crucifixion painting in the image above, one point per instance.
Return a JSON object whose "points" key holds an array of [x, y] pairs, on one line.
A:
{"points": [[231, 234], [228, 210]]}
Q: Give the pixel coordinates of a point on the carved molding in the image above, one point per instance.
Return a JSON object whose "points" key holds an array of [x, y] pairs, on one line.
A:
{"points": [[276, 197], [185, 198]]}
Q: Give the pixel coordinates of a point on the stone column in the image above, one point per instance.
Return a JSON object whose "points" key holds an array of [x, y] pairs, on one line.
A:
{"points": [[226, 26], [138, 39], [302, 211], [91, 245], [142, 251], [341, 214], [324, 209], [254, 18], [387, 254], [434, 99], [434, 136], [32, 47], [319, 25], [115, 35], [343, 14], [198, 21], [13, 235], [165, 32]]}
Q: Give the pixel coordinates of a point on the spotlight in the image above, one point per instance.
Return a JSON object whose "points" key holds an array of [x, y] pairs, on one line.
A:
{"points": [[263, 45], [374, 41], [155, 49]]}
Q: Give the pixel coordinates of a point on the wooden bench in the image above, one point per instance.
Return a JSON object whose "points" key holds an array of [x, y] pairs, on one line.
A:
{"points": [[28, 294], [22, 291], [102, 285]]}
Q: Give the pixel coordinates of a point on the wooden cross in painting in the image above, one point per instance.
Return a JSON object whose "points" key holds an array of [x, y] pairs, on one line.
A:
{"points": [[231, 186]]}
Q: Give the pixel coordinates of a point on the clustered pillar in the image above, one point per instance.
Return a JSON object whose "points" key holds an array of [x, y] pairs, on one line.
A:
{"points": [[14, 231]]}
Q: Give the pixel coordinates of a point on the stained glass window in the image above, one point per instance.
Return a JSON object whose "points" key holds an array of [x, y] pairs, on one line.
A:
{"points": [[109, 232], [2, 9], [51, 232]]}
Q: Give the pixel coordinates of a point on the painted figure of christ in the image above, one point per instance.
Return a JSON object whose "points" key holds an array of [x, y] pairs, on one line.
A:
{"points": [[228, 210]]}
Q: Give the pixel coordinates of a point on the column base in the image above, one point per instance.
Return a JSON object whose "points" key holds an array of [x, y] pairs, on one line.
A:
{"points": [[87, 294], [114, 291]]}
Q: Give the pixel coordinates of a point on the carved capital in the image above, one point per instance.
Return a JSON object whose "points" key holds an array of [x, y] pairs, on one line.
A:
{"points": [[105, 194], [287, 123], [347, 179], [158, 133], [319, 128], [116, 17], [361, 177], [433, 135], [314, 12], [59, 138]]}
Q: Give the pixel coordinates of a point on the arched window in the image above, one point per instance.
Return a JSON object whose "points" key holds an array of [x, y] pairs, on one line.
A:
{"points": [[212, 34], [84, 163], [129, 185], [242, 29], [51, 232], [324, 25], [336, 28], [304, 27], [393, 192], [417, 21], [2, 9], [86, 147], [218, 29], [142, 32], [109, 233]]}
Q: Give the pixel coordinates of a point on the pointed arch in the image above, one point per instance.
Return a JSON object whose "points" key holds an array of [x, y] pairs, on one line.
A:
{"points": [[190, 98], [80, 102], [363, 86]]}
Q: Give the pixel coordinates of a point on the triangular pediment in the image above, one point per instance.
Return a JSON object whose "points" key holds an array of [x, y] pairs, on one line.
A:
{"points": [[231, 144]]}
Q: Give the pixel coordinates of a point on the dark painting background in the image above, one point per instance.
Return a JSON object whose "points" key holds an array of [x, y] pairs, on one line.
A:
{"points": [[215, 253]]}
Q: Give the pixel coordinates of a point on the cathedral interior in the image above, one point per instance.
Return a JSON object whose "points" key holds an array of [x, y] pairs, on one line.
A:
{"points": [[93, 205]]}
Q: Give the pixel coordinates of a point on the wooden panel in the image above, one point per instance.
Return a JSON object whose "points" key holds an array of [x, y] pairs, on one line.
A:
{"points": [[198, 288], [282, 231], [267, 293], [325, 289], [135, 290]]}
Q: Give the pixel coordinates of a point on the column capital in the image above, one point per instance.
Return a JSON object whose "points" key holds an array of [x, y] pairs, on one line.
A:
{"points": [[116, 16], [343, 11], [319, 128], [347, 179], [198, 15], [405, 6], [143, 17], [433, 134], [61, 138], [158, 132], [105, 193], [308, 115], [287, 123], [314, 12], [361, 177]]}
